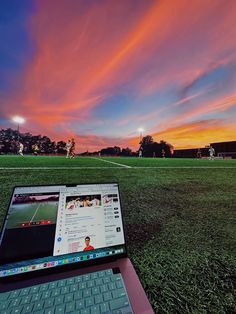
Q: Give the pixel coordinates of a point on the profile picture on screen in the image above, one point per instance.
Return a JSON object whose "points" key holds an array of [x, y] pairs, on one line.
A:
{"points": [[88, 246]]}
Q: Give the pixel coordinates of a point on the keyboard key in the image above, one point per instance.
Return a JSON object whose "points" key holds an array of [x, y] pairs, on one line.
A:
{"points": [[107, 296], [87, 293], [46, 294], [36, 297], [24, 291], [64, 290], [90, 284], [17, 310], [27, 308], [74, 287], [119, 293], [38, 305], [25, 299], [98, 282], [48, 303], [118, 303], [111, 286], [106, 279], [82, 285], [56, 292], [95, 290], [70, 281], [60, 309], [34, 289], [85, 311], [78, 279], [49, 311], [109, 272], [104, 307], [98, 299], [79, 305], [4, 296], [14, 294], [94, 275], [52, 285], [61, 283], [68, 297], [78, 295], [102, 273], [89, 301], [119, 284], [59, 300], [4, 304], [44, 287], [95, 309], [15, 302], [103, 288], [116, 277], [70, 307], [86, 277]]}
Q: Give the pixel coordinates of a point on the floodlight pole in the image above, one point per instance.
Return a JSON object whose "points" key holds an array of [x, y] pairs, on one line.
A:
{"points": [[18, 132], [140, 136]]}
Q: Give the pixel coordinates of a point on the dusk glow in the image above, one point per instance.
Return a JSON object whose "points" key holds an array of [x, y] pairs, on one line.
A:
{"points": [[99, 70]]}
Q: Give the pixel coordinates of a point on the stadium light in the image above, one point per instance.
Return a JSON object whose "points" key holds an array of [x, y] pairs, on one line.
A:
{"points": [[19, 120], [141, 130]]}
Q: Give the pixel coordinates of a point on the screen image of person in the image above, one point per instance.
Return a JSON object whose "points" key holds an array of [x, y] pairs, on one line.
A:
{"points": [[88, 247]]}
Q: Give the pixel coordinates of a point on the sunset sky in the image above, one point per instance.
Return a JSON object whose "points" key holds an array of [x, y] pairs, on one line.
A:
{"points": [[99, 70]]}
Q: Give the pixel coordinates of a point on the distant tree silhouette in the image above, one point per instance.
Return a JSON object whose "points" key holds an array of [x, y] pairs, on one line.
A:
{"points": [[8, 143], [126, 152], [112, 151], [151, 148]]}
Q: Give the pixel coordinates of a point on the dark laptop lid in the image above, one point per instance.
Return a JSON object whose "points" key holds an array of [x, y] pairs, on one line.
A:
{"points": [[52, 226]]}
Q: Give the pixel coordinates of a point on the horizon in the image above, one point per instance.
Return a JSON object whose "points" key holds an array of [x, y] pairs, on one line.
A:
{"points": [[100, 72]]}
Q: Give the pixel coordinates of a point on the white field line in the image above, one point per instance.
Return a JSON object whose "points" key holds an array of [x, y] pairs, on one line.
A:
{"points": [[111, 162], [35, 213], [123, 167]]}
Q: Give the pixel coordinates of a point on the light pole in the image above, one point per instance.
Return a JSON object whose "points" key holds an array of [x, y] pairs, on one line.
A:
{"points": [[18, 120], [140, 134]]}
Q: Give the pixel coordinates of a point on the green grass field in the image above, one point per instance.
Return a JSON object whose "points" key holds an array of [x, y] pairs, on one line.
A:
{"points": [[180, 221]]}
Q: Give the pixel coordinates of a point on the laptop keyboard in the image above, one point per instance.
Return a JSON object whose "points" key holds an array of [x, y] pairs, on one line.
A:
{"points": [[93, 293]]}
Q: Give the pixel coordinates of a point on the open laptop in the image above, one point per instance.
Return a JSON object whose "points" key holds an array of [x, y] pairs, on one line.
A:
{"points": [[63, 250]]}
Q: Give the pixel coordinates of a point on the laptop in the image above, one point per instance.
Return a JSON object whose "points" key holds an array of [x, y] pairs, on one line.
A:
{"points": [[63, 250]]}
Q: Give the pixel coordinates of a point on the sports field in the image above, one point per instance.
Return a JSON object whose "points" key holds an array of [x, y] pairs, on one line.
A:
{"points": [[179, 215], [33, 212]]}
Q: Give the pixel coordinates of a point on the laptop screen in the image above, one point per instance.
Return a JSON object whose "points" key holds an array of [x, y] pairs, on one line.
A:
{"points": [[50, 226]]}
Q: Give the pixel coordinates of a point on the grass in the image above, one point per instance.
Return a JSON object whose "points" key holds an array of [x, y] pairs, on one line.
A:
{"points": [[180, 223]]}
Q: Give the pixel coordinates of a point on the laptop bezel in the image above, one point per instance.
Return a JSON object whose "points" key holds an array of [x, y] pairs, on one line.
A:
{"points": [[72, 266]]}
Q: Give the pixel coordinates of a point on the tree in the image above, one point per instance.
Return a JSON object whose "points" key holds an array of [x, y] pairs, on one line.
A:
{"points": [[61, 147], [126, 151], [147, 140]]}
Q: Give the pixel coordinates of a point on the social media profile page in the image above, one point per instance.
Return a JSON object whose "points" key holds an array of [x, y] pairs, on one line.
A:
{"points": [[88, 217]]}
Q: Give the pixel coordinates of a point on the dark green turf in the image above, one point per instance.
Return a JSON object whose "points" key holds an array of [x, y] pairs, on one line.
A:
{"points": [[180, 226], [13, 161], [45, 161], [171, 162]]}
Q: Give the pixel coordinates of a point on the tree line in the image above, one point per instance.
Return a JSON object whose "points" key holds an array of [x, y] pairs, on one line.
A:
{"points": [[9, 145], [9, 141]]}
